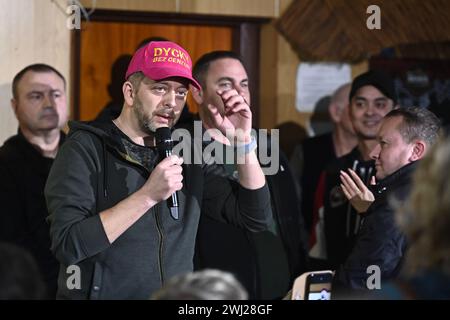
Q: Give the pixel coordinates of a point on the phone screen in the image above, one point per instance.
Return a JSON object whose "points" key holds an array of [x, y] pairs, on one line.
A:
{"points": [[318, 286], [319, 291]]}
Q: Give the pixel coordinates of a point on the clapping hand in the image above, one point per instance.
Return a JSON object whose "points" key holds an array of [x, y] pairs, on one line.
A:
{"points": [[356, 191]]}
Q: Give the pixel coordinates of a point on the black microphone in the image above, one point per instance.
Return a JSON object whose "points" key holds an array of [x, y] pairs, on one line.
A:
{"points": [[164, 144]]}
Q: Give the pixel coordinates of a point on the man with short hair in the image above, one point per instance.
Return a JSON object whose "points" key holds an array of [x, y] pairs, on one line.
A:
{"points": [[265, 262], [39, 103], [405, 136], [208, 284], [372, 96], [107, 189]]}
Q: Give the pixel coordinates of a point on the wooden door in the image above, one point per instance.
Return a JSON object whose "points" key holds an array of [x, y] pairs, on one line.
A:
{"points": [[106, 44]]}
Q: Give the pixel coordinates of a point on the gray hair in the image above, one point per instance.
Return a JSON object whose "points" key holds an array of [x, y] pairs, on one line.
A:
{"points": [[136, 79], [207, 284], [417, 123]]}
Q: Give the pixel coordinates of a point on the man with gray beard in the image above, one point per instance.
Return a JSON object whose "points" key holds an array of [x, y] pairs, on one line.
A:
{"points": [[110, 226]]}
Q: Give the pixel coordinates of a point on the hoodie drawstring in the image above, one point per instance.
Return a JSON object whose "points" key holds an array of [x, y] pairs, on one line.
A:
{"points": [[105, 177]]}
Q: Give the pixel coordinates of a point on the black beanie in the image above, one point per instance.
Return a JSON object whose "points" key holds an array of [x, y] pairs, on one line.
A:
{"points": [[379, 80]]}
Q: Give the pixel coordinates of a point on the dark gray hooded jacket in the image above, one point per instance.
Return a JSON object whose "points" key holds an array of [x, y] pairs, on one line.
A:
{"points": [[92, 173]]}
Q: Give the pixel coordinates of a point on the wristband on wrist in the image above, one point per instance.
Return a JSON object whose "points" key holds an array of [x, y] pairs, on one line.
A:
{"points": [[246, 148]]}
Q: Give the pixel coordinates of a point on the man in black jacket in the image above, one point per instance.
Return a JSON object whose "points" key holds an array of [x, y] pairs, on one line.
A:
{"points": [[39, 102], [111, 228], [266, 262], [404, 138]]}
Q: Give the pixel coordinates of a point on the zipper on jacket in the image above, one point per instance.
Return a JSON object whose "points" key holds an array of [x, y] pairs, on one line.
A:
{"points": [[160, 253]]}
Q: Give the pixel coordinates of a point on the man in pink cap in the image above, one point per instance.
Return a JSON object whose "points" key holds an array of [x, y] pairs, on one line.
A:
{"points": [[111, 228]]}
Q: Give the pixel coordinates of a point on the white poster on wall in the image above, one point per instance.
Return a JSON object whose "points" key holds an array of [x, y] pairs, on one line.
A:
{"points": [[317, 80]]}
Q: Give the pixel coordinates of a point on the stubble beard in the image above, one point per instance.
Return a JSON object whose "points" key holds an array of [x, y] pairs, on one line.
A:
{"points": [[145, 125]]}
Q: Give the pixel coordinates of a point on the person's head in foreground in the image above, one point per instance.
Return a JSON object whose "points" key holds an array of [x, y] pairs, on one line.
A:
{"points": [[208, 284], [426, 217], [20, 278]]}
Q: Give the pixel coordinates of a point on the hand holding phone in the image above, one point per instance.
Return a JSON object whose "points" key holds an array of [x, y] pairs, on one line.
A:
{"points": [[314, 285]]}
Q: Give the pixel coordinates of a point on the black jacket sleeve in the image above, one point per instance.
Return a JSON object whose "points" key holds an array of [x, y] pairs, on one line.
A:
{"points": [[380, 243], [226, 200]]}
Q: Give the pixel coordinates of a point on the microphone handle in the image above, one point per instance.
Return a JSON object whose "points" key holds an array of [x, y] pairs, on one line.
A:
{"points": [[173, 200]]}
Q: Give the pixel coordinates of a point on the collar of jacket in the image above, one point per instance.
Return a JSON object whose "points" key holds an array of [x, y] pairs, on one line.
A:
{"points": [[26, 144], [100, 129], [357, 155], [398, 177], [104, 130]]}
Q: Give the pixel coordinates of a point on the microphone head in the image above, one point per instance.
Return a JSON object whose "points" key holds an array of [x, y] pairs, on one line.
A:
{"points": [[163, 137], [162, 134]]}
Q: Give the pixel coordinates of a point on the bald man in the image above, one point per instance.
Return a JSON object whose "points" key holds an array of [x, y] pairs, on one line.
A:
{"points": [[311, 157]]}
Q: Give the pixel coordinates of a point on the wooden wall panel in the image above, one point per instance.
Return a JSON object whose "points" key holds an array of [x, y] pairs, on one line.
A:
{"points": [[134, 5], [268, 72], [278, 74], [283, 4], [251, 8], [278, 71], [103, 42], [359, 68], [254, 8], [30, 32], [278, 79]]}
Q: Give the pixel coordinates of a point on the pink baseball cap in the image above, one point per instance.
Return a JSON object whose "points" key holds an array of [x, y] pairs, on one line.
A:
{"points": [[162, 59]]}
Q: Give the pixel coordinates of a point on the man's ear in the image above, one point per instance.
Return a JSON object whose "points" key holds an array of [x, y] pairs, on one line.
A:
{"points": [[197, 95], [14, 105], [128, 93], [418, 151], [335, 112]]}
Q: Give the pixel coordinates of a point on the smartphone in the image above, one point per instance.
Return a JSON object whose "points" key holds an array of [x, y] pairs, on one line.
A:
{"points": [[318, 286]]}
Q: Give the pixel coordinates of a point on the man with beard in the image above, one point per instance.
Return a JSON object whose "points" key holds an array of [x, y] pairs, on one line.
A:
{"points": [[107, 189], [39, 103]]}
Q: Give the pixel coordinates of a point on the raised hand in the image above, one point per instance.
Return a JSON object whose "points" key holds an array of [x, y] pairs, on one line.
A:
{"points": [[356, 191], [236, 120]]}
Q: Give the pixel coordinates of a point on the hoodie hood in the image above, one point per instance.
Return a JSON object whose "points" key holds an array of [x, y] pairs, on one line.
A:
{"points": [[104, 131], [100, 129]]}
